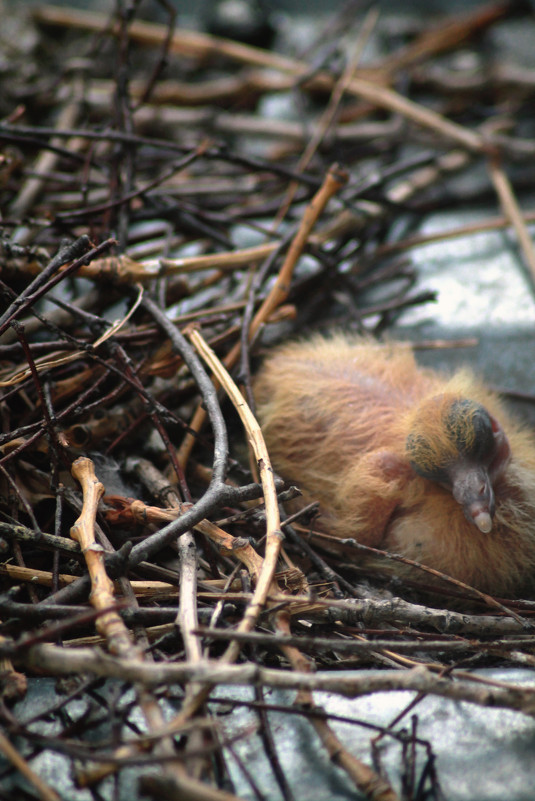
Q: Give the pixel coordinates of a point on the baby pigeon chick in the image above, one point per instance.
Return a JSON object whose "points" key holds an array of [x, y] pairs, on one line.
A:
{"points": [[403, 458]]}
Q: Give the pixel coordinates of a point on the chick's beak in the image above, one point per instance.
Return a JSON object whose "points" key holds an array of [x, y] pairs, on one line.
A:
{"points": [[482, 519], [472, 489]]}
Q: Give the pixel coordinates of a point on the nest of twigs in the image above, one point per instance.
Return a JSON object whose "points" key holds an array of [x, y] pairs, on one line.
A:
{"points": [[158, 230]]}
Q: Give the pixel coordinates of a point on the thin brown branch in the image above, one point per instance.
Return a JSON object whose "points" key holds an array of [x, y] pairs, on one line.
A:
{"points": [[58, 660], [513, 213]]}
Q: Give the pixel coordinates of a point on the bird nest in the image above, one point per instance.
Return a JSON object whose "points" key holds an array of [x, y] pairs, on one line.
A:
{"points": [[160, 229]]}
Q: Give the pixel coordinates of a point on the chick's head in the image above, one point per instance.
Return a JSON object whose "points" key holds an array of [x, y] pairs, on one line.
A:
{"points": [[455, 442]]}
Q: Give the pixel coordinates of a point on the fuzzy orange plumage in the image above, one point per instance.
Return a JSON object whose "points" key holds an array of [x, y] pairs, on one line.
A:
{"points": [[403, 458]]}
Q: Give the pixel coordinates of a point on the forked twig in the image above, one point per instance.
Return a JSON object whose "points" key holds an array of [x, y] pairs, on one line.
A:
{"points": [[110, 624]]}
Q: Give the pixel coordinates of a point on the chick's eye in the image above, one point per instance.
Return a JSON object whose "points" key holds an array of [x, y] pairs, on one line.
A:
{"points": [[470, 428]]}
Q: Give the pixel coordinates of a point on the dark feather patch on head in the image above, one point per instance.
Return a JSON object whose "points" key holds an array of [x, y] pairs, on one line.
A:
{"points": [[470, 429], [446, 429]]}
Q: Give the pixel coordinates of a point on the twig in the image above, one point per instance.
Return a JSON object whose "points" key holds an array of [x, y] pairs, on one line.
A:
{"points": [[202, 45], [265, 582], [102, 594], [334, 180], [109, 623], [72, 252], [331, 109], [64, 662], [462, 230], [46, 161], [374, 787], [17, 760], [513, 213]]}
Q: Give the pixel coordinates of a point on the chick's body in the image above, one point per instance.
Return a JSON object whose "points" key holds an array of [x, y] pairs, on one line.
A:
{"points": [[361, 428]]}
